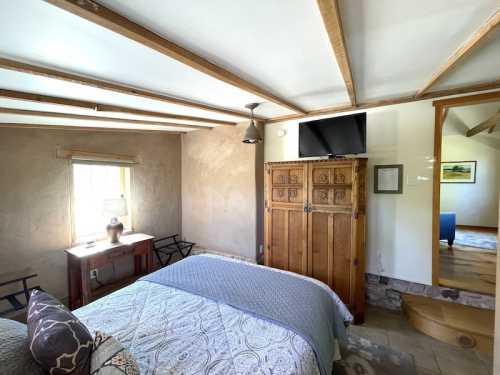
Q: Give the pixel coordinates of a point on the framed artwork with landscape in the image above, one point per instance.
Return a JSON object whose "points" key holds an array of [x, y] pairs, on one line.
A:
{"points": [[458, 172]]}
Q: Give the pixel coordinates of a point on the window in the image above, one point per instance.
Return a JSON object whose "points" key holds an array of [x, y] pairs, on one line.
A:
{"points": [[100, 192]]}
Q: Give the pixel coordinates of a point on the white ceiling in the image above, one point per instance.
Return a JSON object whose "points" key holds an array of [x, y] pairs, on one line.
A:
{"points": [[460, 119], [394, 46]]}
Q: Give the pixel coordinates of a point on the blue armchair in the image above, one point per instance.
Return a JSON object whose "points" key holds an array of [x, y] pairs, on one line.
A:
{"points": [[447, 223]]}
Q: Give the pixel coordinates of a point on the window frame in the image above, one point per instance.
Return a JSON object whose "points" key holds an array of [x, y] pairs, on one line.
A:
{"points": [[72, 203]]}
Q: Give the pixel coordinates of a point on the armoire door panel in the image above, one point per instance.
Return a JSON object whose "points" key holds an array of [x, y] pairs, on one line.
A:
{"points": [[296, 176], [342, 255], [278, 240], [297, 245], [320, 234]]}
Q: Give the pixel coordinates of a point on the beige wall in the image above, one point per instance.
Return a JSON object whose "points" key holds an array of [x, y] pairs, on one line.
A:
{"points": [[220, 181], [475, 204], [34, 194], [399, 226]]}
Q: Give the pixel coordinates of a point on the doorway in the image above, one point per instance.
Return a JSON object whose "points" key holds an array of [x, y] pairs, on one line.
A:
{"points": [[466, 187]]}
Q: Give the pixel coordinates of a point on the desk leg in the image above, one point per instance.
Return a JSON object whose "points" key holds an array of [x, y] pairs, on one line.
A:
{"points": [[137, 265], [85, 277], [149, 257]]}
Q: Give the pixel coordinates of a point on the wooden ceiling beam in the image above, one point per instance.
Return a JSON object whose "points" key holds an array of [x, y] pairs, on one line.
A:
{"points": [[100, 107], [464, 50], [19, 125], [495, 85], [487, 124], [332, 20], [73, 116], [492, 129], [100, 15], [23, 67]]}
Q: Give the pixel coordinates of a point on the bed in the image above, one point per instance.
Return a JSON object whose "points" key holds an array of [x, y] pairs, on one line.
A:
{"points": [[171, 330]]}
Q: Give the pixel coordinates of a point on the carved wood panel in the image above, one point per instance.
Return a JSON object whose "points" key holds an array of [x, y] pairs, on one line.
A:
{"points": [[321, 176], [280, 176], [342, 175], [280, 195]]}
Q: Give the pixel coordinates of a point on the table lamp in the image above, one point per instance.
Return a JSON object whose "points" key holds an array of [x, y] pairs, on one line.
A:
{"points": [[115, 207]]}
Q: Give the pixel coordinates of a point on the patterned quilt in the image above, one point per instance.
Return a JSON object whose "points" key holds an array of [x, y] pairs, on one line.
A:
{"points": [[170, 331]]}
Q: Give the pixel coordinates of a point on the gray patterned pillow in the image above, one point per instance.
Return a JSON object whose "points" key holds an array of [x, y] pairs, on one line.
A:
{"points": [[109, 357], [59, 342]]}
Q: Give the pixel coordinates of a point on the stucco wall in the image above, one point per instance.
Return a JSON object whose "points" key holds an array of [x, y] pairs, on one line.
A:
{"points": [[399, 226], [35, 196], [220, 178], [475, 204]]}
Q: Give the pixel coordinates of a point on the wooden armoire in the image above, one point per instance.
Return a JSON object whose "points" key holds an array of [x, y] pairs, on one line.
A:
{"points": [[315, 223]]}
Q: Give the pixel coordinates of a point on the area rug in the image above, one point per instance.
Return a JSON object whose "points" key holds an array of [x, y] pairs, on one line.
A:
{"points": [[475, 239], [362, 357]]}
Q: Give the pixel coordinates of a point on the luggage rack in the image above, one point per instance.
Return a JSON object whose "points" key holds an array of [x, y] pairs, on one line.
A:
{"points": [[169, 246], [12, 298]]}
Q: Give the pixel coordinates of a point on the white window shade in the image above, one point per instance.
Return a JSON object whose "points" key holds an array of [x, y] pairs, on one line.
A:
{"points": [[100, 192]]}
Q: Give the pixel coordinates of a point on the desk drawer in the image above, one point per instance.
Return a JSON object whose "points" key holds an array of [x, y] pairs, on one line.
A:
{"points": [[98, 261]]}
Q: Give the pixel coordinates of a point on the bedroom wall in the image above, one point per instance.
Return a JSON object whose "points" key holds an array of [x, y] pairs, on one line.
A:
{"points": [[399, 232], [222, 182], [34, 191], [475, 204]]}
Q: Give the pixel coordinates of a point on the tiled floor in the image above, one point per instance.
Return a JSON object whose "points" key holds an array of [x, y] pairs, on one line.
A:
{"points": [[432, 357]]}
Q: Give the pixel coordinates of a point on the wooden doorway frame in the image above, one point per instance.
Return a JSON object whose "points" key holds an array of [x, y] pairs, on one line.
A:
{"points": [[441, 108]]}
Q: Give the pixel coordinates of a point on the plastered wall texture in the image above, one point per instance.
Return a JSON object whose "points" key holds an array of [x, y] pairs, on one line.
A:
{"points": [[35, 195], [220, 189]]}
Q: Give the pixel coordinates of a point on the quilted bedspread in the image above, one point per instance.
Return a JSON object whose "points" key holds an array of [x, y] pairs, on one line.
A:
{"points": [[170, 331]]}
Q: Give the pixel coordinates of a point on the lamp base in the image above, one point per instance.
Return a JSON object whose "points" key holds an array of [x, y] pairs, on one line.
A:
{"points": [[115, 230]]}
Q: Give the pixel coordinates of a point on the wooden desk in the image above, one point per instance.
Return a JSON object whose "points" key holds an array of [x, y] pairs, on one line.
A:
{"points": [[82, 259]]}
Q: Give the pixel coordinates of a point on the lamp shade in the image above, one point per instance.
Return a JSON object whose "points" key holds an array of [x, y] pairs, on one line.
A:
{"points": [[115, 207], [252, 134]]}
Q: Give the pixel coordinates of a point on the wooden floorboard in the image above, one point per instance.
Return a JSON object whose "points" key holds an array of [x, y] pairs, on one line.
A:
{"points": [[468, 270]]}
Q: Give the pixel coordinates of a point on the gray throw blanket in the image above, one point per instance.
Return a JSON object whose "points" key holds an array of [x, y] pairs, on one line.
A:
{"points": [[288, 301]]}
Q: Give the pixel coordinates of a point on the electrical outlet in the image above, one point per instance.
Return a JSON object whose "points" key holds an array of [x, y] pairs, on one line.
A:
{"points": [[93, 273]]}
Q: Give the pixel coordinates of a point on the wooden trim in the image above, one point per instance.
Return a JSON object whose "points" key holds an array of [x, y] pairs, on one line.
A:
{"points": [[73, 116], [100, 107], [478, 228], [90, 129], [464, 50], [100, 15], [469, 99], [332, 20], [440, 107], [485, 125], [22, 67], [495, 85], [436, 192], [95, 156]]}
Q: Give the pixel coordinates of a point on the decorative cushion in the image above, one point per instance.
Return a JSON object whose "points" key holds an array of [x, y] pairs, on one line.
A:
{"points": [[59, 342], [109, 357], [15, 355]]}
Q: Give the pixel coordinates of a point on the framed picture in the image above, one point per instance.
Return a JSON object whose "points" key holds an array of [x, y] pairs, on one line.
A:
{"points": [[388, 179], [458, 172]]}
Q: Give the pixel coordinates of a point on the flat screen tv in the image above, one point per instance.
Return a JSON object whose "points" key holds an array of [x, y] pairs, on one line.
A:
{"points": [[334, 136]]}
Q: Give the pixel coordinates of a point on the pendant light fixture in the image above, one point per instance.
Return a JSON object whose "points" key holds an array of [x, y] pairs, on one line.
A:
{"points": [[252, 134]]}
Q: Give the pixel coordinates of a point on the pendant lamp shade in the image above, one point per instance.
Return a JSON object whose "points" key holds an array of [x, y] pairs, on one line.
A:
{"points": [[252, 134]]}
